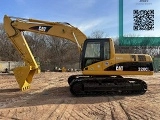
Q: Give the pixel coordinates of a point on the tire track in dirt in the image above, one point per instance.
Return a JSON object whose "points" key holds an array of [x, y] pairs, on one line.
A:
{"points": [[72, 115], [117, 112], [134, 112], [150, 113], [21, 114], [41, 112], [58, 112], [137, 114], [70, 106], [32, 110], [142, 113], [62, 111], [97, 112], [107, 112], [125, 110], [49, 109], [80, 116], [10, 114], [91, 112], [16, 113], [140, 108]]}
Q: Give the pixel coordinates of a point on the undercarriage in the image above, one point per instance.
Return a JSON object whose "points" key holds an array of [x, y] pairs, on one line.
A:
{"points": [[81, 85]]}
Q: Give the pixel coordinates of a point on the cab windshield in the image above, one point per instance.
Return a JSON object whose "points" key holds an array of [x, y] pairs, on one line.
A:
{"points": [[93, 50]]}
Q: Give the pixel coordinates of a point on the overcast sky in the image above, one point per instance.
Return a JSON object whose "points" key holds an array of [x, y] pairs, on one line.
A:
{"points": [[87, 15]]}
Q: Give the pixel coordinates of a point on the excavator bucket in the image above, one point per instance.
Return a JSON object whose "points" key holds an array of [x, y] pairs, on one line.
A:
{"points": [[24, 76]]}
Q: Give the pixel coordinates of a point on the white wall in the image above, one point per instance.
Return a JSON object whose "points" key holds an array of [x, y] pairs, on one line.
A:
{"points": [[10, 65]]}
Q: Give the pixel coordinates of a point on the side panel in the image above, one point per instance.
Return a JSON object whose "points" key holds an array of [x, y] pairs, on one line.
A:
{"points": [[125, 68]]}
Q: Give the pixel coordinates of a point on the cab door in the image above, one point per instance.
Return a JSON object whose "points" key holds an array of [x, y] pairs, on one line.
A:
{"points": [[94, 51]]}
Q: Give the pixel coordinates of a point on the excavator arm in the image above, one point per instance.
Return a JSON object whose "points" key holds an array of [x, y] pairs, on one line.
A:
{"points": [[14, 28]]}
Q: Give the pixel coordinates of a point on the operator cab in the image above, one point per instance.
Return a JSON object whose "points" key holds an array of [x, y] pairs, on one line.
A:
{"points": [[95, 50]]}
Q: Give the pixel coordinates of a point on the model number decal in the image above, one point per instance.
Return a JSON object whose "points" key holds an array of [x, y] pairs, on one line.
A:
{"points": [[143, 69]]}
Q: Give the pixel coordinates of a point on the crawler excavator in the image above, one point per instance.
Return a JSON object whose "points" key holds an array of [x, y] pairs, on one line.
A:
{"points": [[102, 68]]}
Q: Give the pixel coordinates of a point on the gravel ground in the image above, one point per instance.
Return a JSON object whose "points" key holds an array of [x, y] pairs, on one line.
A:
{"points": [[50, 98]]}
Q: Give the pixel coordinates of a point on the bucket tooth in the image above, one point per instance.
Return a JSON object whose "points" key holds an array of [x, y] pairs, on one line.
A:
{"points": [[24, 76], [25, 86]]}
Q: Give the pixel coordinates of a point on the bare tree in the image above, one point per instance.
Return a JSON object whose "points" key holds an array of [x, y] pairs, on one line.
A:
{"points": [[52, 51], [7, 51], [97, 34], [62, 51]]}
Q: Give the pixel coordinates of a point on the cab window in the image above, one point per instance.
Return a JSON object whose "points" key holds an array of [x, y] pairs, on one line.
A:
{"points": [[93, 50], [106, 51], [92, 54]]}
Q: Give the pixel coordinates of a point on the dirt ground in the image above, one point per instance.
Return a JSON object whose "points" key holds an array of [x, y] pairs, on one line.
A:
{"points": [[50, 98]]}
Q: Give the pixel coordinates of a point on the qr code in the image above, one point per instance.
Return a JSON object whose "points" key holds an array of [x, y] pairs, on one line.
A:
{"points": [[143, 20]]}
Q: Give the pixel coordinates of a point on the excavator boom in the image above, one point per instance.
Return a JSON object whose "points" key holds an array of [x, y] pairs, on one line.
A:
{"points": [[14, 28]]}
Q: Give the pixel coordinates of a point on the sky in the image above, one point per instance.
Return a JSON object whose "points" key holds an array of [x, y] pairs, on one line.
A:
{"points": [[87, 15]]}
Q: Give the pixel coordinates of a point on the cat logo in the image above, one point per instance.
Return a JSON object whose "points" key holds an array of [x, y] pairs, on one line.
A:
{"points": [[119, 68], [41, 28]]}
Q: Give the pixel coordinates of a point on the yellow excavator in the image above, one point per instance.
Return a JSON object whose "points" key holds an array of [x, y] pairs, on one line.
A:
{"points": [[102, 69]]}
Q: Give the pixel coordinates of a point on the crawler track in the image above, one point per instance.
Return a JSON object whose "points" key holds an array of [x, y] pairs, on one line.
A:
{"points": [[100, 85]]}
